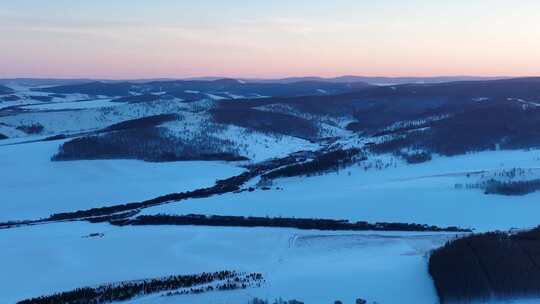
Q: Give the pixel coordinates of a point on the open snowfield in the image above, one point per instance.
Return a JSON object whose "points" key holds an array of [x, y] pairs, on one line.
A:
{"points": [[312, 266], [33, 186], [423, 193], [317, 267]]}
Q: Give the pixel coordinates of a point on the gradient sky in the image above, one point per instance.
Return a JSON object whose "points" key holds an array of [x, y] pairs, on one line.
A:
{"points": [[272, 38]]}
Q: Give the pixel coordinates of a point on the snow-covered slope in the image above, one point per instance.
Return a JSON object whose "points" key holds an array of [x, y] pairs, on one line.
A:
{"points": [[312, 266], [92, 118], [317, 267]]}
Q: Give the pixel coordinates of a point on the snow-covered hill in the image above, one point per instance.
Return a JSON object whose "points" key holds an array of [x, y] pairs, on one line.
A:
{"points": [[74, 158]]}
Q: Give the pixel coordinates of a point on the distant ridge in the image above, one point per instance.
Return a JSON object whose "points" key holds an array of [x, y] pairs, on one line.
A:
{"points": [[379, 80], [341, 79]]}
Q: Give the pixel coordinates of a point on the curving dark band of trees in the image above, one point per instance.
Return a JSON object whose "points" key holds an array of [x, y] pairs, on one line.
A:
{"points": [[487, 266], [330, 161], [144, 122], [123, 291], [282, 222], [230, 184], [5, 90]]}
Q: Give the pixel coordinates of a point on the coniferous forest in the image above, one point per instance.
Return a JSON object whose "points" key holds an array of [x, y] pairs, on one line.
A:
{"points": [[489, 266], [122, 291]]}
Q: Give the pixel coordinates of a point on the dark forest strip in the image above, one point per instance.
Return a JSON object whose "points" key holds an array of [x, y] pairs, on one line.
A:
{"points": [[322, 163], [122, 291], [230, 184], [488, 266], [298, 223], [512, 187]]}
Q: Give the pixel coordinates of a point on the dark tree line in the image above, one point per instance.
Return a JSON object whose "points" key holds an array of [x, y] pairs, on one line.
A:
{"points": [[415, 157], [41, 98], [92, 88], [126, 141], [498, 124], [57, 95], [5, 90], [222, 186], [230, 184], [281, 301], [35, 128], [299, 223], [330, 161], [55, 137], [512, 187], [123, 291], [144, 122], [277, 301], [239, 282], [137, 98], [487, 266], [405, 128], [268, 122], [9, 98]]}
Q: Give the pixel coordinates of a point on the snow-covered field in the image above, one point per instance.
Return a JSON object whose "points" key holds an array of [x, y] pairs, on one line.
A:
{"points": [[32, 186], [423, 193], [312, 266], [317, 267]]}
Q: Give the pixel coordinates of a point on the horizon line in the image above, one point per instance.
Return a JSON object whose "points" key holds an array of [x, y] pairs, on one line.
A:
{"points": [[256, 78]]}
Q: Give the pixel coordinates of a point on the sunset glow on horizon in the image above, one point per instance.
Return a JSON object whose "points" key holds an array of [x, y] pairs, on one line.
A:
{"points": [[268, 39]]}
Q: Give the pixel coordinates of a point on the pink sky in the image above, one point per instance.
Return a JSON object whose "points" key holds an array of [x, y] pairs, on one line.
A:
{"points": [[252, 39]]}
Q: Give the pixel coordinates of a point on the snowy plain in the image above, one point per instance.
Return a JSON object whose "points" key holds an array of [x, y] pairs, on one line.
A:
{"points": [[312, 266], [34, 187], [315, 266], [421, 193]]}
